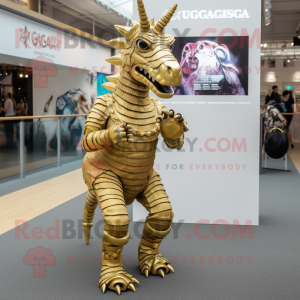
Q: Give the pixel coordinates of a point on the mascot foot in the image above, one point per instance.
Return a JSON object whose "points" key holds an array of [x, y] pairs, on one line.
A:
{"points": [[151, 261], [113, 275], [157, 265], [117, 281]]}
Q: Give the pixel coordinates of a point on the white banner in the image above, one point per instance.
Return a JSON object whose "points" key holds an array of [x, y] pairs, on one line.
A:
{"points": [[215, 177], [28, 39]]}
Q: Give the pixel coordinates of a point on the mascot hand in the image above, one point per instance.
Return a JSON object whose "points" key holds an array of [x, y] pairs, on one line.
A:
{"points": [[173, 126], [120, 133]]}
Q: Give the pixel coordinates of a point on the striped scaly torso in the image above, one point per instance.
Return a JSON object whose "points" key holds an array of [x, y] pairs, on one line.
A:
{"points": [[131, 161]]}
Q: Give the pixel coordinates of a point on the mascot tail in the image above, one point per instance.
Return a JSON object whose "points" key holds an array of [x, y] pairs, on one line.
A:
{"points": [[90, 206]]}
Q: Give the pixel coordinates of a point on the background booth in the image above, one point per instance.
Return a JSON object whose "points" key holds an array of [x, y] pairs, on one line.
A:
{"points": [[215, 177], [50, 72]]}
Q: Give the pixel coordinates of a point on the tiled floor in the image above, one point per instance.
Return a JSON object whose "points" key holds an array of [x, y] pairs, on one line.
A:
{"points": [[10, 160], [294, 155], [37, 199]]}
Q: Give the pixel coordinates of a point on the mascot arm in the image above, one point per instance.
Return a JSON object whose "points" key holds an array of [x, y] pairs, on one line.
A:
{"points": [[95, 135], [172, 126]]}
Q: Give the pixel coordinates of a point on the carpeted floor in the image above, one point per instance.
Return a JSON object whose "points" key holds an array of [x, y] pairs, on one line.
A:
{"points": [[265, 267]]}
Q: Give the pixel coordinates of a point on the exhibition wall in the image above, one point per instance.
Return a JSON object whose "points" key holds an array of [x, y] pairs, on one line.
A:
{"points": [[57, 62], [61, 93], [55, 81], [215, 177], [63, 70], [28, 39]]}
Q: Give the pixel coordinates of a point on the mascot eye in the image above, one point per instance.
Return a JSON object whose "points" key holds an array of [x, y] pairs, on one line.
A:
{"points": [[172, 46], [186, 48], [142, 45]]}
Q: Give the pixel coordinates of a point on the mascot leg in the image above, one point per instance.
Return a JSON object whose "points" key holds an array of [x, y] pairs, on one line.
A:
{"points": [[109, 195], [90, 206], [157, 226]]}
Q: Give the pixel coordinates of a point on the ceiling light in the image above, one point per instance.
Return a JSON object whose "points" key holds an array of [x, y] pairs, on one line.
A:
{"points": [[5, 73], [265, 45], [101, 3], [21, 75], [268, 22], [288, 61], [267, 6], [267, 14], [26, 76], [292, 44]]}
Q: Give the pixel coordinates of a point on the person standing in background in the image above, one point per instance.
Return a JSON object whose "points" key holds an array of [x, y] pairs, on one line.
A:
{"points": [[2, 113], [10, 111], [22, 108], [271, 94], [289, 104]]}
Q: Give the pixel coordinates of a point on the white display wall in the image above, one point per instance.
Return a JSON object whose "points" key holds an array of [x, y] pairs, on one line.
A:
{"points": [[58, 63], [215, 177], [29, 39]]}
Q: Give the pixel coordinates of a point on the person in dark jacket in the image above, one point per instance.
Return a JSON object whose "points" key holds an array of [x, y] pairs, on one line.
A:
{"points": [[2, 102], [272, 94], [289, 104]]}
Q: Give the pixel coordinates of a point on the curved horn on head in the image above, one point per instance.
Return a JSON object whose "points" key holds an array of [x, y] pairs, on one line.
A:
{"points": [[164, 20], [144, 22]]}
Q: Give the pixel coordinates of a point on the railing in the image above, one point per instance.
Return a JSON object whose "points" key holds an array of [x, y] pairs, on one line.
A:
{"points": [[36, 141], [14, 162]]}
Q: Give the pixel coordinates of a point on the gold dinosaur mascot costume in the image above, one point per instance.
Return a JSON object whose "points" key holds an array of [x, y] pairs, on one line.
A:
{"points": [[120, 138]]}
